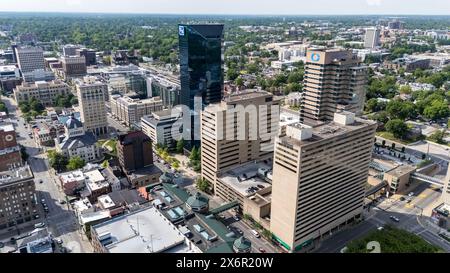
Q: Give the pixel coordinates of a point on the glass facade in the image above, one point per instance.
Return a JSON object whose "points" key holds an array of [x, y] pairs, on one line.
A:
{"points": [[201, 63]]}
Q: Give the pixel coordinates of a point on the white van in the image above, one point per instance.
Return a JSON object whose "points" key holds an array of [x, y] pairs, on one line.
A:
{"points": [[255, 233]]}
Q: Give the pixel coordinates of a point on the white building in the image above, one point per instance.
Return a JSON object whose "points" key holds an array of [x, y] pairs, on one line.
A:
{"points": [[77, 142], [44, 92], [372, 38], [162, 127], [130, 110]]}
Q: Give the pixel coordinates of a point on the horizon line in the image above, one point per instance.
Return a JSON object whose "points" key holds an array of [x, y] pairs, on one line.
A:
{"points": [[222, 14]]}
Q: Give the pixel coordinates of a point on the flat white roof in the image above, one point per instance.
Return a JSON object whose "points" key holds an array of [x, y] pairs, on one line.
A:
{"points": [[145, 231]]}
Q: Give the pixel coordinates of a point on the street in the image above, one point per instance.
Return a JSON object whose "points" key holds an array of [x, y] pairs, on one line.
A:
{"points": [[60, 220]]}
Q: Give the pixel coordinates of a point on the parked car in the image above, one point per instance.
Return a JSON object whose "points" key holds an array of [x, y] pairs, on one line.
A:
{"points": [[39, 225], [255, 233], [236, 218], [59, 241], [62, 202], [410, 194], [395, 219], [262, 250], [43, 201]]}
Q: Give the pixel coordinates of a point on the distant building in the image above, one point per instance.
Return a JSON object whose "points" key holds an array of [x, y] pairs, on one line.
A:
{"points": [[372, 38], [89, 55], [131, 110], [70, 50], [92, 95], [165, 88], [17, 198], [38, 75], [121, 57], [44, 92], [9, 149], [163, 127], [74, 66], [30, 58], [334, 80]]}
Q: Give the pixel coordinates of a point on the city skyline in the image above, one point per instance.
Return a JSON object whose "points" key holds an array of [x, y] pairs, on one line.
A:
{"points": [[263, 7]]}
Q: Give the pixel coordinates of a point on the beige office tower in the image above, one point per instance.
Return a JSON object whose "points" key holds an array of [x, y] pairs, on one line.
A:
{"points": [[230, 137], [92, 95], [319, 178], [334, 81]]}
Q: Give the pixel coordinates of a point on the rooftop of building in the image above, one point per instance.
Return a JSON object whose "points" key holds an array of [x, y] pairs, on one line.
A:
{"points": [[143, 231], [7, 127], [401, 170], [15, 175], [163, 115], [248, 178], [93, 216], [149, 170], [247, 94], [324, 130]]}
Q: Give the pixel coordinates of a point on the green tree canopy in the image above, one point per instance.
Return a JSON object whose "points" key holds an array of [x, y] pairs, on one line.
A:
{"points": [[397, 127]]}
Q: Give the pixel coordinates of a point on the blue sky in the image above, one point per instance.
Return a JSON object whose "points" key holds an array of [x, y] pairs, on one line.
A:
{"points": [[294, 7]]}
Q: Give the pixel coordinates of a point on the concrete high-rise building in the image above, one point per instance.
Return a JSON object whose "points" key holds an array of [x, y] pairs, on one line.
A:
{"points": [[319, 178], [30, 58], [74, 66], [372, 38], [92, 95], [201, 70], [334, 80], [238, 130]]}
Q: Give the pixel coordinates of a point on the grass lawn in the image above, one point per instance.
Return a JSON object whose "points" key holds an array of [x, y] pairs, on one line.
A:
{"points": [[389, 136], [393, 240]]}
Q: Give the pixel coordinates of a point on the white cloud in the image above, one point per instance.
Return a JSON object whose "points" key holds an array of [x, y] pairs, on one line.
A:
{"points": [[73, 3]]}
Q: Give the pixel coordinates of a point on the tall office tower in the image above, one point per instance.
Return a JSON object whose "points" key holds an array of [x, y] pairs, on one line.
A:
{"points": [[70, 50], [319, 178], [17, 198], [30, 58], [74, 66], [134, 151], [372, 38], [92, 95], [201, 69], [334, 80], [231, 136]]}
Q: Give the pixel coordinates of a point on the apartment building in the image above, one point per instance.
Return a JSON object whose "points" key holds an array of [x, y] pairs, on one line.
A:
{"points": [[17, 198], [30, 58], [240, 129], [130, 110], [92, 95], [334, 80], [44, 92], [319, 177]]}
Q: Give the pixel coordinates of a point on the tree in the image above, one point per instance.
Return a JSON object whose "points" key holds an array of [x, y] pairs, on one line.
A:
{"points": [[57, 160], [437, 110], [405, 89], [202, 184], [180, 146], [75, 163], [398, 109], [239, 82], [438, 137], [397, 127]]}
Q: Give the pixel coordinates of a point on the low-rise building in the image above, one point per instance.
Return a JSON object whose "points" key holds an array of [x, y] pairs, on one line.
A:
{"points": [[44, 92], [77, 142], [143, 231]]}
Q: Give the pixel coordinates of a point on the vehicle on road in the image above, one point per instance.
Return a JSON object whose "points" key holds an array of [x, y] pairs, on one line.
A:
{"points": [[40, 181], [236, 218], [59, 241], [262, 250], [62, 202], [255, 233], [43, 201], [410, 194], [402, 198], [39, 225], [395, 219]]}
